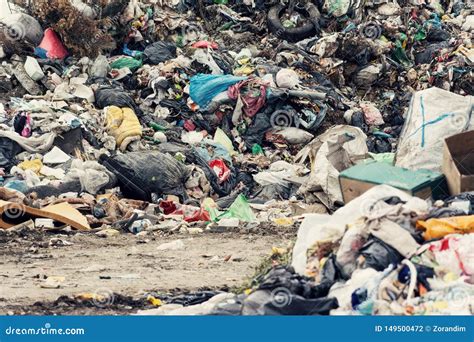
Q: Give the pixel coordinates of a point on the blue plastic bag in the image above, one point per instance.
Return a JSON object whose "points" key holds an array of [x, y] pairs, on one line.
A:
{"points": [[204, 88]]}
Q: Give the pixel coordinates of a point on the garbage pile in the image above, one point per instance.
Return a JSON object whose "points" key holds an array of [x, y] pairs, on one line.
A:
{"points": [[353, 118]]}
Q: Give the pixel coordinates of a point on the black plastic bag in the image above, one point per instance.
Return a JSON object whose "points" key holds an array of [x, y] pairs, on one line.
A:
{"points": [[282, 276], [465, 196], [141, 174], [422, 274], [331, 273], [110, 96], [192, 298], [256, 131], [71, 140], [8, 150], [222, 189], [159, 52], [43, 191], [437, 35], [272, 191], [379, 255], [270, 303], [428, 53], [436, 212]]}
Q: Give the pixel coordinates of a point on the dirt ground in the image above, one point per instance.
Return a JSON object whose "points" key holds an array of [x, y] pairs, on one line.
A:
{"points": [[41, 274]]}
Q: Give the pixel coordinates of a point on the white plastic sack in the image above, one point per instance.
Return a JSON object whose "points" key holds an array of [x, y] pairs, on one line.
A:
{"points": [[287, 78], [23, 26], [278, 173], [337, 149], [294, 136], [434, 115], [91, 174]]}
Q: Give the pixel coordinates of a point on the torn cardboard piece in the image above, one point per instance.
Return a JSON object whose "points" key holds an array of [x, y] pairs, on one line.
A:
{"points": [[458, 162], [12, 214]]}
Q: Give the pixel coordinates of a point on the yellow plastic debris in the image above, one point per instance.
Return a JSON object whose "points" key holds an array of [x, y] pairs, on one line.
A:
{"points": [[34, 165], [122, 124], [278, 251], [244, 70], [91, 296], [284, 221], [154, 301], [437, 228]]}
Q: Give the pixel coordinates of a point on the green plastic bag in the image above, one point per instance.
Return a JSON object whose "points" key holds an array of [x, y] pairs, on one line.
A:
{"points": [[126, 62], [387, 157], [400, 55], [257, 149], [239, 209]]}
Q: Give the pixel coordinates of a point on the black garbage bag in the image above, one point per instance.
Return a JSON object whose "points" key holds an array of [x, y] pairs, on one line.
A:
{"points": [[175, 147], [428, 53], [355, 50], [437, 35], [141, 174], [43, 191], [358, 120], [256, 131], [222, 189], [465, 196], [115, 96], [284, 276], [284, 292], [379, 255], [378, 144], [178, 107], [8, 150], [436, 212], [230, 307], [71, 141], [223, 62], [422, 274], [281, 302], [192, 298], [330, 273], [273, 191], [159, 52]]}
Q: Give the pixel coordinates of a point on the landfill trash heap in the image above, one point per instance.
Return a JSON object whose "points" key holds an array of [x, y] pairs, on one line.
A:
{"points": [[353, 119]]}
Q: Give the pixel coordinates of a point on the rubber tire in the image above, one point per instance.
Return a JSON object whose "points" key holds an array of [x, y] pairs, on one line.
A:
{"points": [[292, 34]]}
